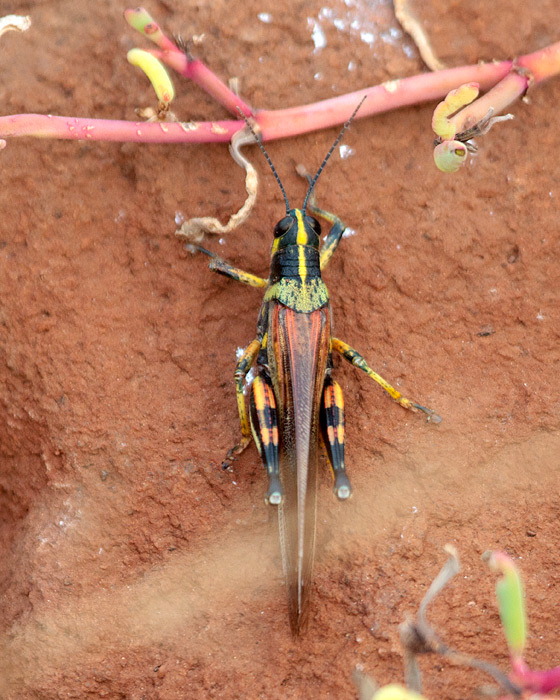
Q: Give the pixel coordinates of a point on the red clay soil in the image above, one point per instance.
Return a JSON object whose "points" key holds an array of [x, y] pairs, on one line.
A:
{"points": [[132, 565]]}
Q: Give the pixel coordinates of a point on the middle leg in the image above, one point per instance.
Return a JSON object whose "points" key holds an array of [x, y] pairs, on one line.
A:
{"points": [[245, 363]]}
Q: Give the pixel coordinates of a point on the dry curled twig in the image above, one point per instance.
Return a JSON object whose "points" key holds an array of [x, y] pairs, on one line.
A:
{"points": [[412, 26], [194, 229], [419, 637]]}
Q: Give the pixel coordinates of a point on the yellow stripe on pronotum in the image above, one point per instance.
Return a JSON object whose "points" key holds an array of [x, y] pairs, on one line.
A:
{"points": [[302, 242]]}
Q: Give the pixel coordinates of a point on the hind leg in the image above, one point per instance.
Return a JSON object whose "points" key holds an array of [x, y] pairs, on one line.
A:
{"points": [[331, 419], [354, 357], [264, 426]]}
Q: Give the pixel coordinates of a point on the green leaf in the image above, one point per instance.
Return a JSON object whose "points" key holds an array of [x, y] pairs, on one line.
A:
{"points": [[511, 602], [138, 19]]}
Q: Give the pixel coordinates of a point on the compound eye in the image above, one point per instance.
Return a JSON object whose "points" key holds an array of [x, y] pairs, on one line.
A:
{"points": [[283, 226], [315, 225]]}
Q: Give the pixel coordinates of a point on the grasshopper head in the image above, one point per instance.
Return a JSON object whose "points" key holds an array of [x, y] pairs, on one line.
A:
{"points": [[297, 228]]}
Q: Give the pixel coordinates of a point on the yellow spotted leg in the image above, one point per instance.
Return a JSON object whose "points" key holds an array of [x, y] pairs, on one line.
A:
{"points": [[358, 361], [224, 268]]}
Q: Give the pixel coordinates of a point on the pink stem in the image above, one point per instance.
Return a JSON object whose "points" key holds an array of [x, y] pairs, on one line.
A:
{"points": [[80, 129], [535, 681], [273, 123], [381, 98], [497, 99], [542, 63], [282, 123], [194, 69], [528, 70]]}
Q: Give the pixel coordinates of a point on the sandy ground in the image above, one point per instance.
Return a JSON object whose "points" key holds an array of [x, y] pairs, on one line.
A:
{"points": [[132, 565]]}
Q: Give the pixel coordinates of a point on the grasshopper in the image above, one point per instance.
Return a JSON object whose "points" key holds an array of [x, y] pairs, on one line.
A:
{"points": [[295, 404]]}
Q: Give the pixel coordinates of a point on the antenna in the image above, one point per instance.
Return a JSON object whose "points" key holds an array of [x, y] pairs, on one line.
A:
{"points": [[263, 149], [329, 154]]}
